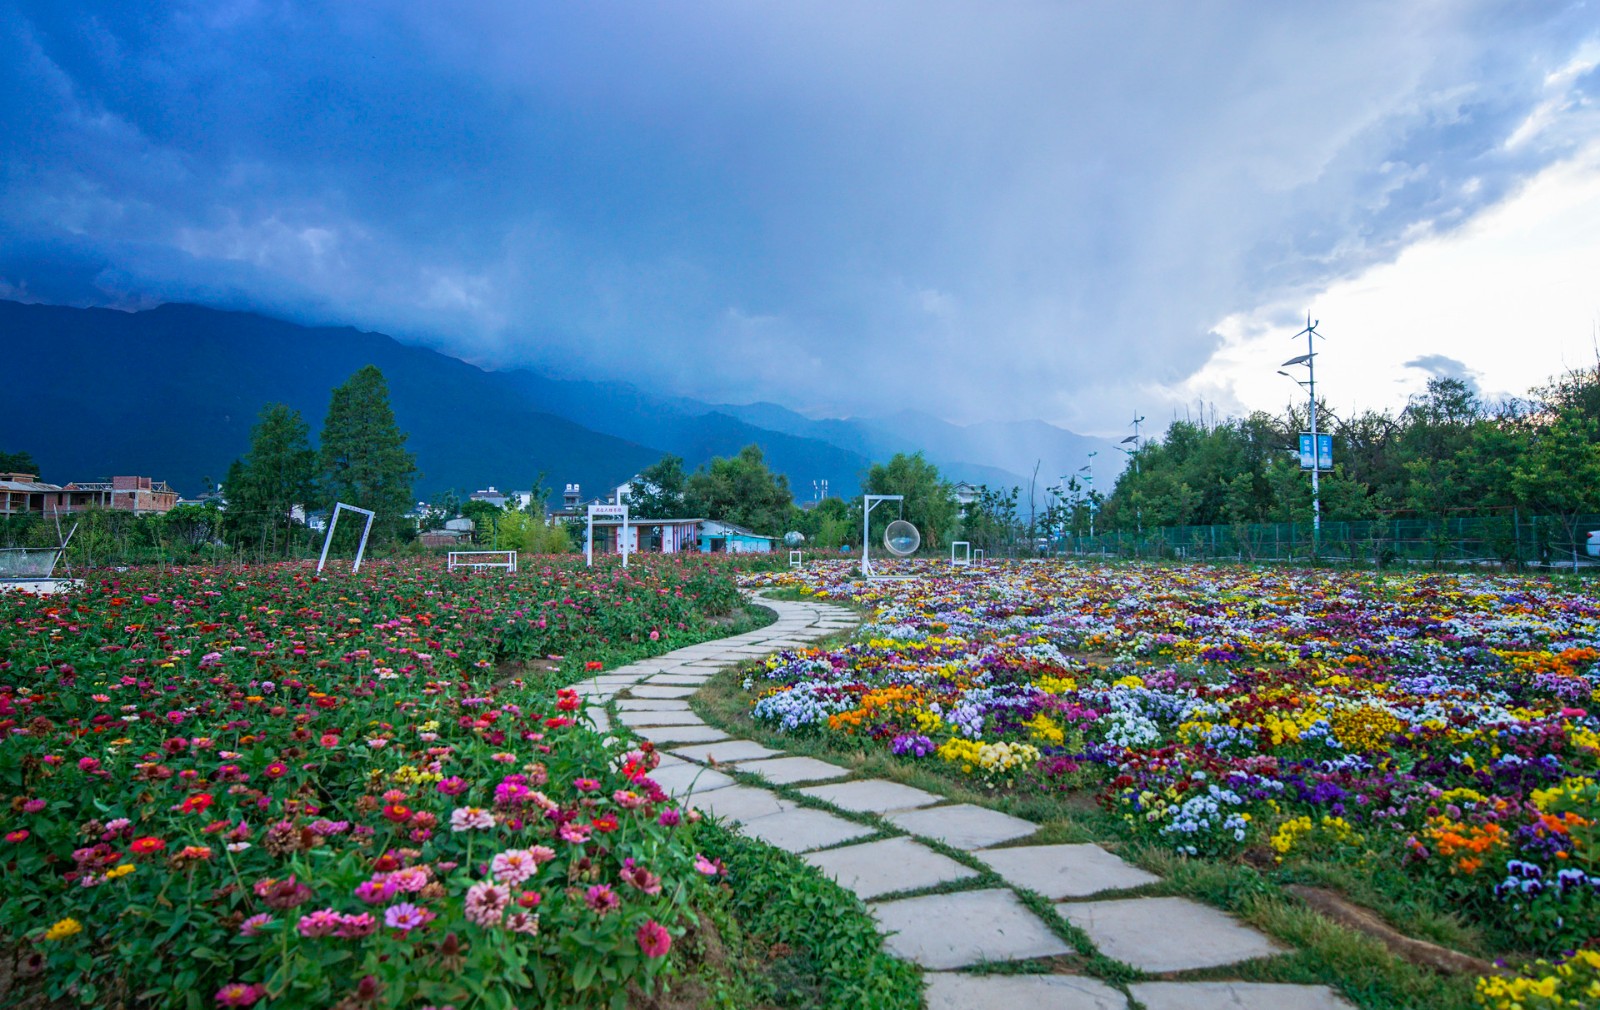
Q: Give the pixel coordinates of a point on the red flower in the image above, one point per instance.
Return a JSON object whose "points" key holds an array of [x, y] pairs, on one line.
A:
{"points": [[196, 803], [594, 664], [146, 845], [399, 813], [276, 769], [18, 835]]}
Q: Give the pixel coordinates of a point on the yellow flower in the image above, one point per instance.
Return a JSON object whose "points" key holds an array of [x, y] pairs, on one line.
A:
{"points": [[120, 871], [63, 929]]}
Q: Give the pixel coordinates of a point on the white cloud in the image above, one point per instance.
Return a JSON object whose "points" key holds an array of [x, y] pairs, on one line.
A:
{"points": [[1514, 297]]}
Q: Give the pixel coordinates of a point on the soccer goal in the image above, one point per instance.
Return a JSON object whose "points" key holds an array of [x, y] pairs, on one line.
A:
{"points": [[478, 560], [963, 557]]}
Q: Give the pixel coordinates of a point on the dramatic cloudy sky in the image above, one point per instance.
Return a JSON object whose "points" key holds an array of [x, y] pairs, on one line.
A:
{"points": [[984, 209]]}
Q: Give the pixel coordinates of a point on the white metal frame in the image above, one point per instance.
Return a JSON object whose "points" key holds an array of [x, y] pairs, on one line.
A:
{"points": [[509, 564], [795, 559], [966, 556], [606, 510], [977, 555], [333, 522], [868, 503]]}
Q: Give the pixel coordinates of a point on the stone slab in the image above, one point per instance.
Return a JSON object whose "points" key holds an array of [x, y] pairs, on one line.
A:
{"points": [[886, 866], [599, 720], [872, 796], [1235, 996], [1064, 871], [1166, 934], [681, 734], [785, 771], [952, 991], [943, 931], [801, 830], [685, 779], [678, 679], [726, 751], [652, 705], [683, 717], [661, 691], [741, 804], [963, 825]]}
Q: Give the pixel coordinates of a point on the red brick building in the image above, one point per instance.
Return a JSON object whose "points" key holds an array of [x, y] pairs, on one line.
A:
{"points": [[22, 493]]}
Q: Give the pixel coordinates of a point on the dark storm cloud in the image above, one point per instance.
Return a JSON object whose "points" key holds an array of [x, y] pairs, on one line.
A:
{"points": [[982, 210]]}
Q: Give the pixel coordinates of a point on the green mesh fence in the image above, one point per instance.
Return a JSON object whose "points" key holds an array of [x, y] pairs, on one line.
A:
{"points": [[1511, 539]]}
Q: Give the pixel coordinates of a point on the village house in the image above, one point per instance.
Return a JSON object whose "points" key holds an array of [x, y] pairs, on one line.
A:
{"points": [[24, 493]]}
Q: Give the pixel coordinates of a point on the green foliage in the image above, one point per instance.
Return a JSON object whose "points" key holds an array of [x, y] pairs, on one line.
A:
{"points": [[485, 518], [364, 459], [277, 474], [742, 490], [529, 533], [835, 957], [662, 491], [18, 462]]}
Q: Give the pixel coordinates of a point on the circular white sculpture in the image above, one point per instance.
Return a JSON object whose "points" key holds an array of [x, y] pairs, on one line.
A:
{"points": [[794, 538], [901, 538]]}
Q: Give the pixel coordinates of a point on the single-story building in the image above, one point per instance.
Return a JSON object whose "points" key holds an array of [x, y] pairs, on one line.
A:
{"points": [[720, 537], [646, 536], [443, 538]]}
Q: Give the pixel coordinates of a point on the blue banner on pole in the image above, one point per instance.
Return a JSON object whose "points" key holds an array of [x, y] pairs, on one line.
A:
{"points": [[1324, 451]]}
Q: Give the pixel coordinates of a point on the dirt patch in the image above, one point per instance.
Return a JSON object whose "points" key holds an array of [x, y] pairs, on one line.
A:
{"points": [[1419, 952], [709, 961]]}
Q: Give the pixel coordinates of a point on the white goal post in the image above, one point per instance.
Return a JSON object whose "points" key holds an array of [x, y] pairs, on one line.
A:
{"points": [[795, 559], [964, 557], [477, 560]]}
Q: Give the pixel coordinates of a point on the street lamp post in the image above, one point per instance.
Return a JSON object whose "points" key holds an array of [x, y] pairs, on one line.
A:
{"points": [[1090, 481], [1133, 454], [1309, 359]]}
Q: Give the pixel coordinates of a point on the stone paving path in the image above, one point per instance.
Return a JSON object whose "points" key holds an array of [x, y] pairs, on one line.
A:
{"points": [[907, 884]]}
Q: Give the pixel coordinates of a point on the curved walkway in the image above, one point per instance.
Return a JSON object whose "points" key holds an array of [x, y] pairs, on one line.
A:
{"points": [[908, 885]]}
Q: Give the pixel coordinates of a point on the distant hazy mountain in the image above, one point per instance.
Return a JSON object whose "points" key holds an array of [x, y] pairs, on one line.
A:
{"points": [[172, 392]]}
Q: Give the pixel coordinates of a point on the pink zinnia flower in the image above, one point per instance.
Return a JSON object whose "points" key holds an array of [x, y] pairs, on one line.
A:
{"points": [[406, 917], [654, 940], [513, 866], [707, 867], [523, 922], [410, 880], [602, 899], [322, 922], [574, 833], [641, 879], [34, 806], [470, 818], [586, 785], [240, 994], [452, 786], [255, 924], [353, 927], [486, 903], [669, 817]]}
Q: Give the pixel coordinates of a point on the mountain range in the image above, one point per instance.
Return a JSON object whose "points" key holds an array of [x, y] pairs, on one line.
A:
{"points": [[171, 392]]}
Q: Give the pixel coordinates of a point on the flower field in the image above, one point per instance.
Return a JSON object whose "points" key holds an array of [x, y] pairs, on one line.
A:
{"points": [[240, 787], [1441, 728]]}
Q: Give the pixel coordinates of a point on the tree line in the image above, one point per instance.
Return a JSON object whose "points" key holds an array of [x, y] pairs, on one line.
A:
{"points": [[1447, 453]]}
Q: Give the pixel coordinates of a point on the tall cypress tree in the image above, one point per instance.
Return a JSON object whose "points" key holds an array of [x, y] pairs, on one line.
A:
{"points": [[364, 458], [278, 473]]}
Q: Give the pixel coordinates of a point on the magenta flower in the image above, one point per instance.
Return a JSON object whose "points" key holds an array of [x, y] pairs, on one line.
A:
{"points": [[641, 879], [240, 994], [654, 940], [602, 899]]}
